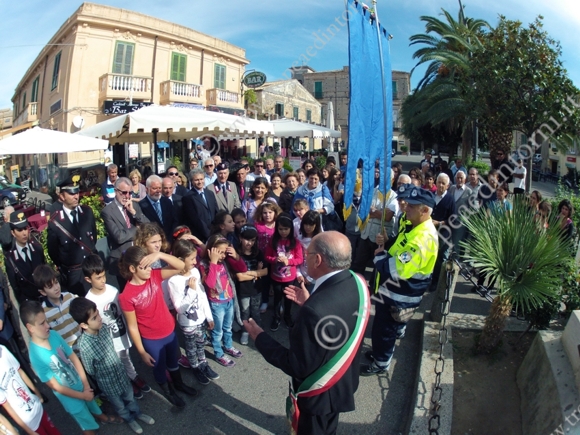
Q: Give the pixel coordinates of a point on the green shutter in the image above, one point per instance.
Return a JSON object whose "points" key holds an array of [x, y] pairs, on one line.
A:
{"points": [[295, 112], [309, 115], [395, 90], [317, 89], [123, 61], [24, 101], [178, 67], [219, 76], [523, 140], [55, 71], [34, 94]]}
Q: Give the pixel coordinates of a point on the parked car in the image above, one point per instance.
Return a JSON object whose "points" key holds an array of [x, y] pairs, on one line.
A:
{"points": [[537, 159], [10, 194]]}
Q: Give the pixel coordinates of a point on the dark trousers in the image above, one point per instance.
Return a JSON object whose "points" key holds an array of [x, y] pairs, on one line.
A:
{"points": [[309, 424], [279, 296], [384, 333], [519, 191], [365, 252], [74, 282]]}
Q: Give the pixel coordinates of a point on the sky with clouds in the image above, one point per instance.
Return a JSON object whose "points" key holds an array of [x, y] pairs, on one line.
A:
{"points": [[276, 34]]}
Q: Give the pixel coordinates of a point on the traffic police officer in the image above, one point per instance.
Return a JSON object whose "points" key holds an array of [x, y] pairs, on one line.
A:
{"points": [[26, 254], [72, 234], [405, 273]]}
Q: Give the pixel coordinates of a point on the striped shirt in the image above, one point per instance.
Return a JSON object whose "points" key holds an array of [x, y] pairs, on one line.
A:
{"points": [[61, 321]]}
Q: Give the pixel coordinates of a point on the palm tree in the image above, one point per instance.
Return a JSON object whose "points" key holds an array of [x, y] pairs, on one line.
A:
{"points": [[441, 93], [526, 260]]}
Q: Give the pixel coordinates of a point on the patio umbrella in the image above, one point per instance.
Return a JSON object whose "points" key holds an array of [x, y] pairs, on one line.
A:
{"points": [[43, 141], [290, 128]]}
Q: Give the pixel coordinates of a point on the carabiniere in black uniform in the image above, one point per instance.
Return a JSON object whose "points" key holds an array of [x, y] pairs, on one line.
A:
{"points": [[72, 234]]}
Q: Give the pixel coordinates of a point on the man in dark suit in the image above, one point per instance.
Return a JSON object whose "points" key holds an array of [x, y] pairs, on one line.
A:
{"points": [[71, 235], [199, 206], [25, 255], [226, 193], [121, 218], [465, 202], [333, 301], [157, 208], [173, 173], [167, 190]]}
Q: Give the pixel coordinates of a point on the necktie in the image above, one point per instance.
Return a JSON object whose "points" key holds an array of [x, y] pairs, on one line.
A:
{"points": [[224, 189], [203, 197], [75, 221], [157, 208], [242, 193], [26, 257], [127, 218]]}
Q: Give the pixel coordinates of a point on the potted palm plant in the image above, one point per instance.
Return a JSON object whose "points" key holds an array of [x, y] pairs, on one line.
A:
{"points": [[525, 256]]}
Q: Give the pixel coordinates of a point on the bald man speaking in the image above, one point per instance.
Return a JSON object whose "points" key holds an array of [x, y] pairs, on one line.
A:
{"points": [[323, 357]]}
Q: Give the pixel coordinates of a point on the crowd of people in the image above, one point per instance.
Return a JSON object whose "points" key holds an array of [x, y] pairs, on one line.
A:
{"points": [[207, 255]]}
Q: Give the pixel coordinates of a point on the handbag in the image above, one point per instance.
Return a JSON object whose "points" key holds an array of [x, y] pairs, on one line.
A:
{"points": [[331, 372]]}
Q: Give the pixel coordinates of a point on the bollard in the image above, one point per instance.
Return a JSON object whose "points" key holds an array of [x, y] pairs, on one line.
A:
{"points": [[436, 315]]}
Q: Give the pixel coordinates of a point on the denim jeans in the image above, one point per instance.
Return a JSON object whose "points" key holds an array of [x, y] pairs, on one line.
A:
{"points": [[223, 316], [250, 307], [125, 405]]}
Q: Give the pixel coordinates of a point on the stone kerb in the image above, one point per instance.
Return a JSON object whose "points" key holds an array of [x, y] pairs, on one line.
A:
{"points": [[571, 343]]}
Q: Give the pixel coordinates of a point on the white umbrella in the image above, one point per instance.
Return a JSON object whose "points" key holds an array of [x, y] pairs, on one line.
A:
{"points": [[43, 141], [290, 128], [179, 123], [330, 116]]}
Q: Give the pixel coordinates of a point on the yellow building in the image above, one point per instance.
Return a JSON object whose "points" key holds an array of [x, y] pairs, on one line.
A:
{"points": [[105, 61]]}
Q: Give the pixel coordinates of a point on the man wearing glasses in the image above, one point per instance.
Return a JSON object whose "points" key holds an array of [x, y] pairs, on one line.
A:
{"points": [[210, 175], [504, 167], [121, 218], [22, 259], [173, 173], [259, 171]]}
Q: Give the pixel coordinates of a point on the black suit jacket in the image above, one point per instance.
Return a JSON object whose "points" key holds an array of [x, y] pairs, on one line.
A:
{"points": [[337, 296], [169, 218], [63, 251], [197, 214], [177, 201], [20, 271], [119, 237], [181, 190]]}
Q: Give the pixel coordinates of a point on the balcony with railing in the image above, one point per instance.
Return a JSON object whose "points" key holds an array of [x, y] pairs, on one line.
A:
{"points": [[29, 114], [121, 86], [180, 92], [221, 97]]}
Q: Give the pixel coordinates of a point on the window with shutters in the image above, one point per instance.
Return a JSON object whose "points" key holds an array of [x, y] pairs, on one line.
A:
{"points": [[295, 112], [279, 109], [55, 71], [34, 94], [24, 101], [178, 67], [123, 61], [219, 80], [523, 139], [395, 90], [309, 115], [318, 90]]}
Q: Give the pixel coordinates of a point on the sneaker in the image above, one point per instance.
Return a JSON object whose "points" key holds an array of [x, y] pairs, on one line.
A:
{"points": [[146, 419], [135, 427], [200, 376], [373, 369], [232, 351], [401, 333], [275, 324], [244, 338], [225, 361], [209, 373], [137, 394], [184, 362], [141, 384]]}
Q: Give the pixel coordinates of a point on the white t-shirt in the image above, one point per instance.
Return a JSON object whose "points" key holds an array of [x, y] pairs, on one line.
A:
{"points": [[191, 304], [110, 310], [520, 183], [16, 392]]}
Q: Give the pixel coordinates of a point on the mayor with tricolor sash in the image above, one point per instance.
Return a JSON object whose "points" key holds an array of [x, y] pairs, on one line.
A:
{"points": [[323, 357]]}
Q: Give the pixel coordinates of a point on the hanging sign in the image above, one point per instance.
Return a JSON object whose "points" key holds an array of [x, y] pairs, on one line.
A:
{"points": [[255, 79]]}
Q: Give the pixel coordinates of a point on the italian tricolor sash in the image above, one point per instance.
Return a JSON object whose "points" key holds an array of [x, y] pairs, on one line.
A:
{"points": [[331, 372]]}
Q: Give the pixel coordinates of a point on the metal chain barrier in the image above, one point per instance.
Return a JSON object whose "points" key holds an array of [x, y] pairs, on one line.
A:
{"points": [[481, 290], [435, 420]]}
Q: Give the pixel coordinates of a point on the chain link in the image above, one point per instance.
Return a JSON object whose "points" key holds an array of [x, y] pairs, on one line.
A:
{"points": [[435, 420], [481, 290]]}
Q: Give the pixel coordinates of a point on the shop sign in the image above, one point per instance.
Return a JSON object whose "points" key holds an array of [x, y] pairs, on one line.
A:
{"points": [[255, 79]]}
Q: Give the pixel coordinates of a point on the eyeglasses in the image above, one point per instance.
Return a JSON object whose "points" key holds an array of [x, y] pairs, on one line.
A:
{"points": [[172, 173], [124, 192], [208, 166]]}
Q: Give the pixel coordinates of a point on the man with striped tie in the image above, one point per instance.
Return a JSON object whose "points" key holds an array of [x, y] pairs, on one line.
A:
{"points": [[158, 208]]}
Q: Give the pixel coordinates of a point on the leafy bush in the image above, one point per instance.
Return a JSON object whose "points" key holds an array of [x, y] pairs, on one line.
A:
{"points": [[562, 192], [320, 162], [96, 204], [482, 168]]}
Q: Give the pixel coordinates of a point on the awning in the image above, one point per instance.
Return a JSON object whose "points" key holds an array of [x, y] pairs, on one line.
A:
{"points": [[42, 141], [175, 123], [291, 128]]}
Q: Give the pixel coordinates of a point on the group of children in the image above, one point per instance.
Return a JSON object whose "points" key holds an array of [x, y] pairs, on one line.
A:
{"points": [[209, 288]]}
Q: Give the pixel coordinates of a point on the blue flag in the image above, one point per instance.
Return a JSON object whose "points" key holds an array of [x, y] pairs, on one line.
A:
{"points": [[368, 110]]}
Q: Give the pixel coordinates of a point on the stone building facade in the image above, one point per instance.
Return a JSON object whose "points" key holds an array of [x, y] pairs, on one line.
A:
{"points": [[105, 61]]}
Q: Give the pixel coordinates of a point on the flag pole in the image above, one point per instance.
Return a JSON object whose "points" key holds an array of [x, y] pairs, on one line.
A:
{"points": [[387, 146]]}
